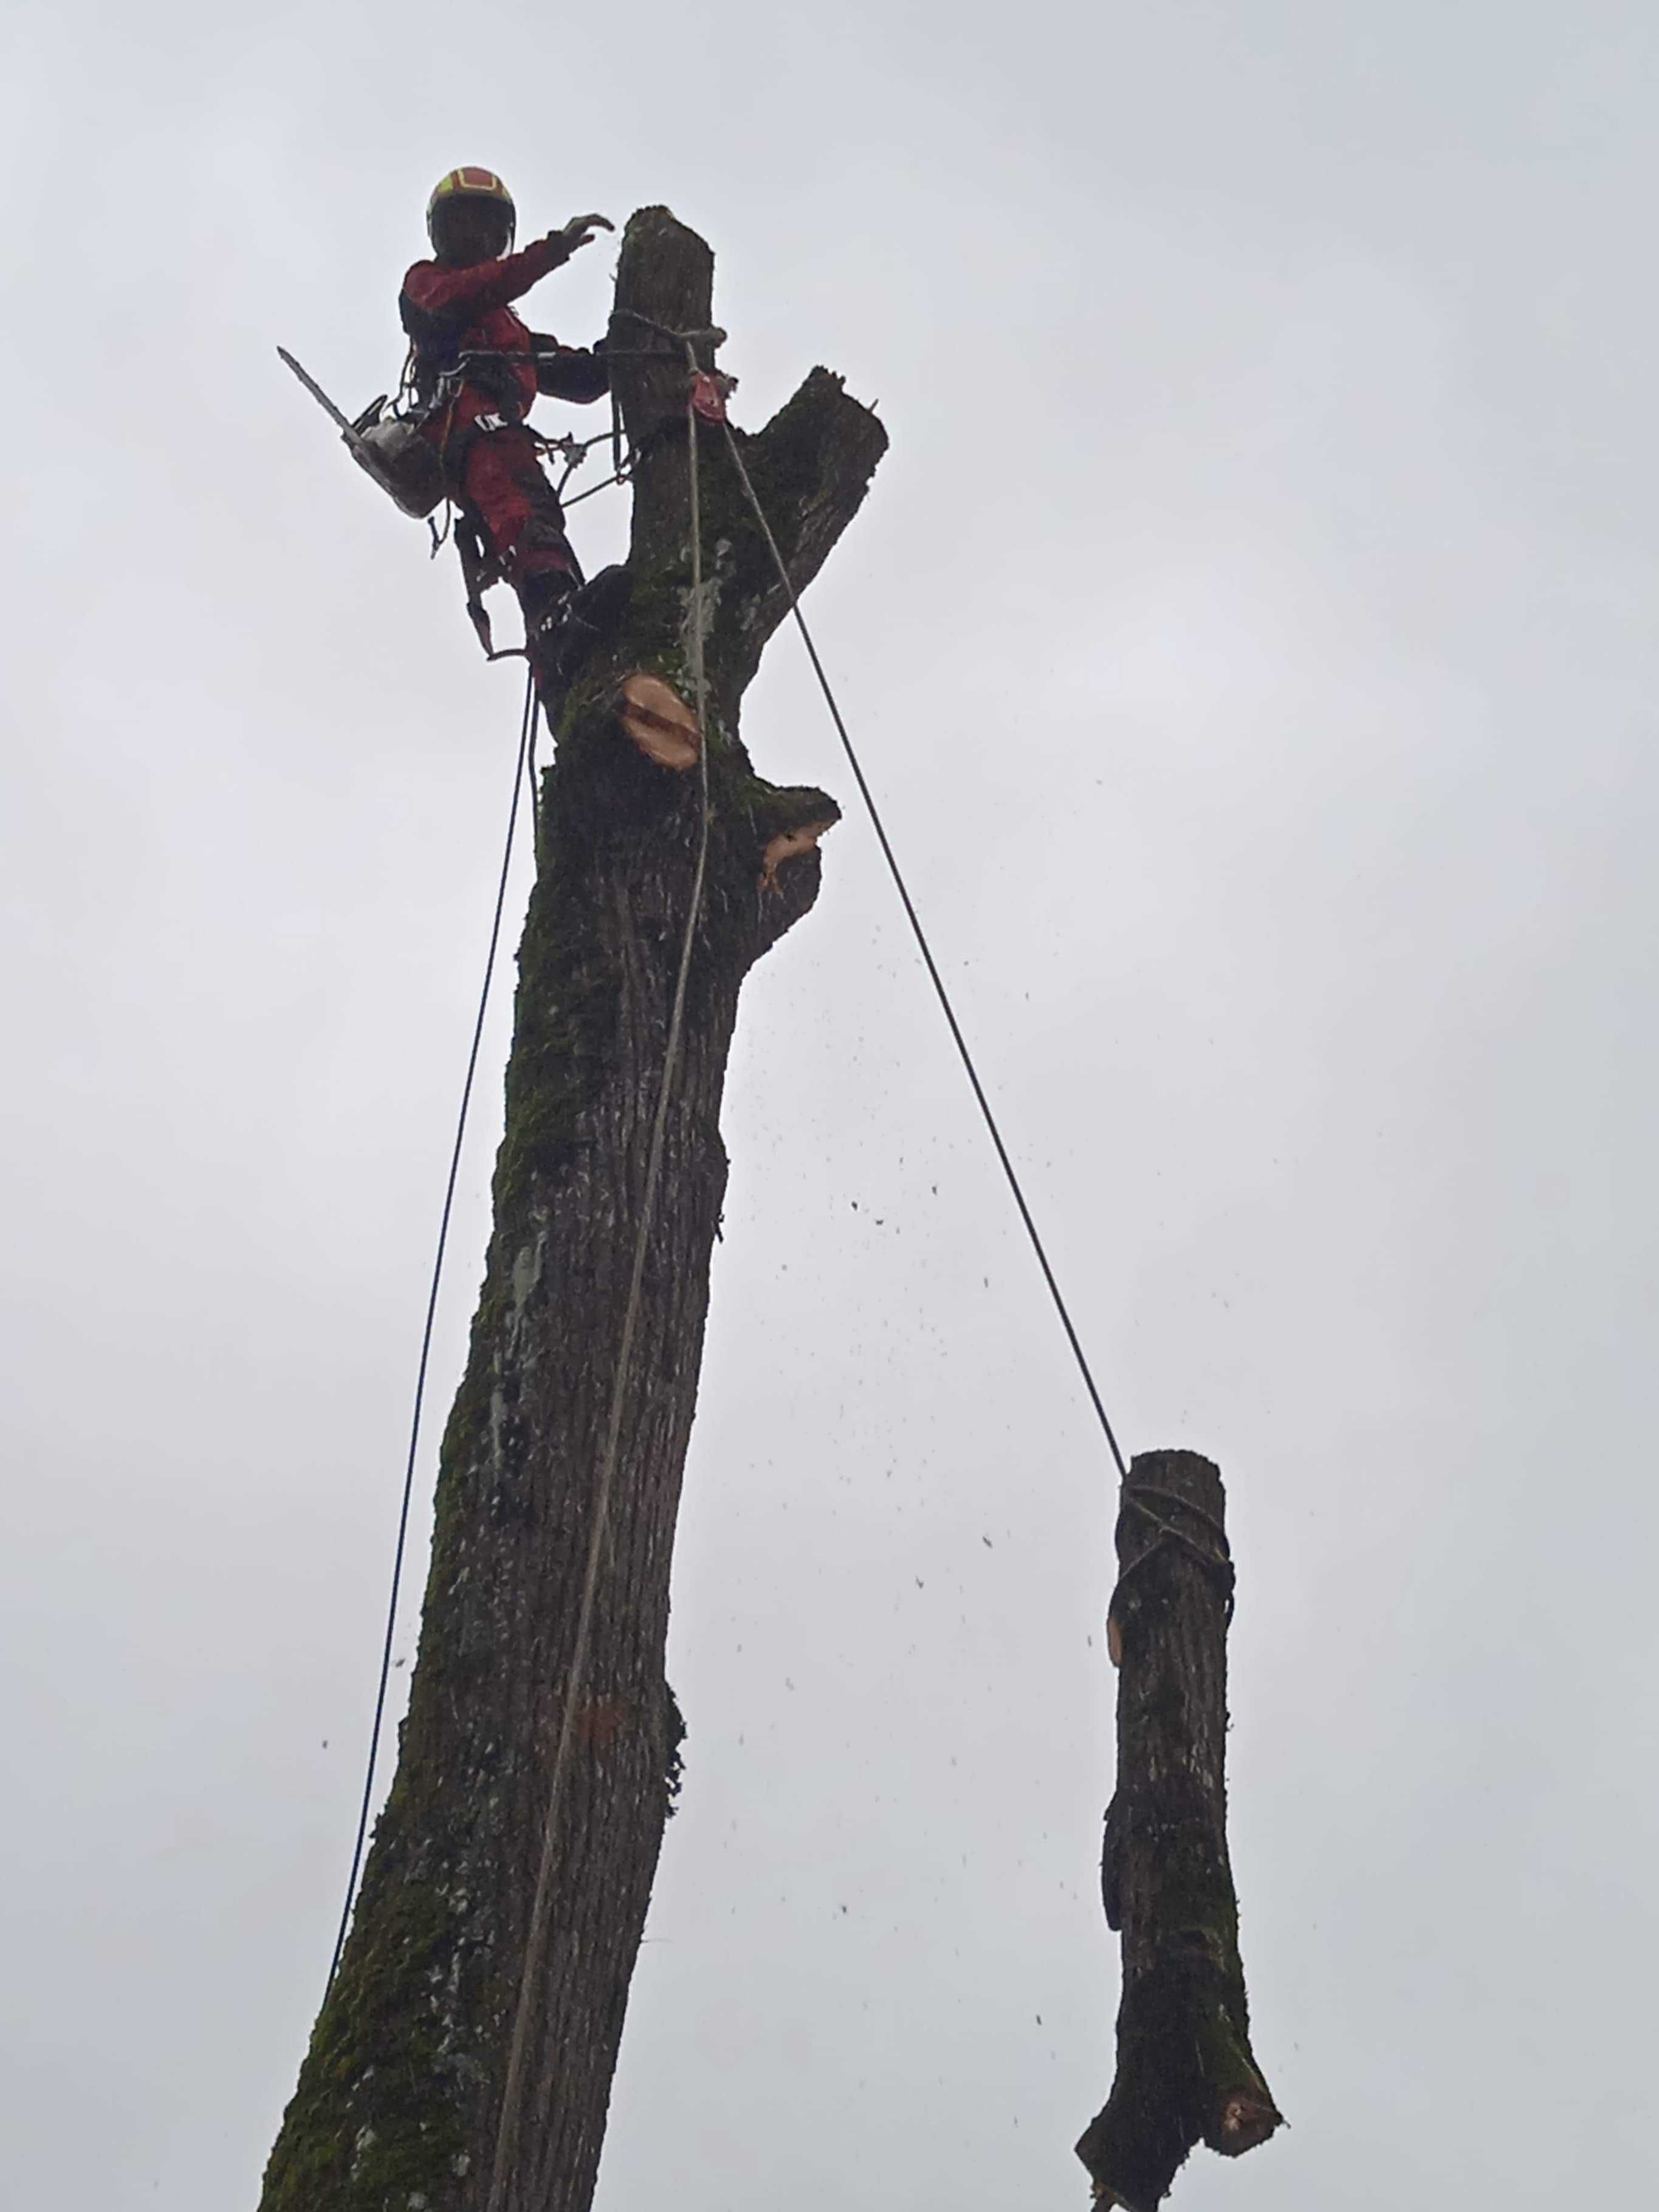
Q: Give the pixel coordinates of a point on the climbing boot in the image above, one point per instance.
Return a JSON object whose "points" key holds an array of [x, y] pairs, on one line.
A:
{"points": [[600, 604], [576, 624]]}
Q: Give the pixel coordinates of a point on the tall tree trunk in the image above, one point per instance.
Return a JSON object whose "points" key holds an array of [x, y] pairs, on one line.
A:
{"points": [[1185, 2070], [400, 2095]]}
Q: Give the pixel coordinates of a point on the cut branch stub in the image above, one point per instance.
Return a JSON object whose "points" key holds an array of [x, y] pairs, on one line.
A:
{"points": [[1185, 2070], [659, 722], [790, 845]]}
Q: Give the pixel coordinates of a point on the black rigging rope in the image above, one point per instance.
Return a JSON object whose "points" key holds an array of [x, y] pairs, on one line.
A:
{"points": [[932, 966], [525, 762]]}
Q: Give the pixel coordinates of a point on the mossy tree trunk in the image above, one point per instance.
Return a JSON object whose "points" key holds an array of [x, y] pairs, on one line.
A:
{"points": [[400, 2094], [1185, 2070]]}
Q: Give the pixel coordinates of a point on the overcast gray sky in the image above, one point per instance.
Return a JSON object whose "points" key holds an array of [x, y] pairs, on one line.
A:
{"points": [[1251, 633]]}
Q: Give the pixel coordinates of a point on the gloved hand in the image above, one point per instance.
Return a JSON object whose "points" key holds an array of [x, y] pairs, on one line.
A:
{"points": [[579, 231]]}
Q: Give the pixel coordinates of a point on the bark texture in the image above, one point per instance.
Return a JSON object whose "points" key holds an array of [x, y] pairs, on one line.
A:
{"points": [[1185, 2070], [398, 2098]]}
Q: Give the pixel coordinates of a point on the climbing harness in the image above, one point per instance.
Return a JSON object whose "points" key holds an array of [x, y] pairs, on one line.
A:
{"points": [[388, 442]]}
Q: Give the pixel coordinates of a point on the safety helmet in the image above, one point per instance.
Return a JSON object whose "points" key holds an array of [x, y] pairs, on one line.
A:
{"points": [[460, 187]]}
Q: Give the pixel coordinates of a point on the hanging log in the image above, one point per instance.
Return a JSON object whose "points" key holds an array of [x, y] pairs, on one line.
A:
{"points": [[400, 2101], [1185, 2070]]}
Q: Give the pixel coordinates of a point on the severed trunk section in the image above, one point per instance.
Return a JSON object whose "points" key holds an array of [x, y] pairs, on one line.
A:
{"points": [[400, 2095], [1185, 2070]]}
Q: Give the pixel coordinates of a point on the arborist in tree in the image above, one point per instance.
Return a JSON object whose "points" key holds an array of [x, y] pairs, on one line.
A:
{"points": [[476, 370]]}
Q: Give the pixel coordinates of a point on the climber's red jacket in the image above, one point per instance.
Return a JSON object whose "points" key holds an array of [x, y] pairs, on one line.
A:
{"points": [[449, 312], [491, 464]]}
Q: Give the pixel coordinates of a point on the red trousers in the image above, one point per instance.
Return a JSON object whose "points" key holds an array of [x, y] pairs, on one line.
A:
{"points": [[503, 480]]}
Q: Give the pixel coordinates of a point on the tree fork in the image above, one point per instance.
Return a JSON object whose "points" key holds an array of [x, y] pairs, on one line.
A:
{"points": [[1185, 2070], [400, 2092]]}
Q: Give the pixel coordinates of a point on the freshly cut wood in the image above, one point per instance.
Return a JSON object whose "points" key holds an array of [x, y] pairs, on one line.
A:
{"points": [[1185, 2070], [659, 722], [789, 845]]}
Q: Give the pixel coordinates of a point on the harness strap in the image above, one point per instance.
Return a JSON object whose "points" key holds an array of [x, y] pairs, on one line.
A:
{"points": [[479, 570]]}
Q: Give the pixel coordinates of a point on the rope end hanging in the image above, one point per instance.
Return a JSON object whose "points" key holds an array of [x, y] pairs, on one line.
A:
{"points": [[527, 753]]}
